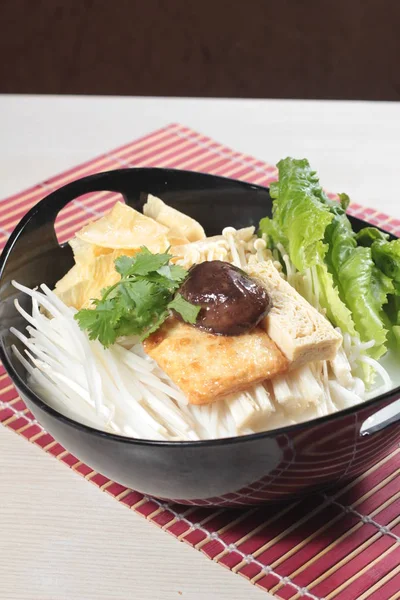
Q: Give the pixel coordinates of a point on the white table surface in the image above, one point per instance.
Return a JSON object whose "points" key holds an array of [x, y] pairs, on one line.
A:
{"points": [[60, 538]]}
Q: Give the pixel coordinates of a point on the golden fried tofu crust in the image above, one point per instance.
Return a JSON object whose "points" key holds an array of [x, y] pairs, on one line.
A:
{"points": [[207, 367]]}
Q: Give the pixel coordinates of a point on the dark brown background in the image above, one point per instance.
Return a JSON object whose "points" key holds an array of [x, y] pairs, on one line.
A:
{"points": [[287, 48]]}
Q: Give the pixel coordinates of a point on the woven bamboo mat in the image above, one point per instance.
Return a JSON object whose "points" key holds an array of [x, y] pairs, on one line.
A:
{"points": [[345, 545]]}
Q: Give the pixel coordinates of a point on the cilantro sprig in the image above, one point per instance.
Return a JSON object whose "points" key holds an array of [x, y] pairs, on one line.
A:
{"points": [[140, 301]]}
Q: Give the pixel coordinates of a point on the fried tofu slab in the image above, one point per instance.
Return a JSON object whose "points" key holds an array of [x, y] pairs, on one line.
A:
{"points": [[297, 328], [207, 367]]}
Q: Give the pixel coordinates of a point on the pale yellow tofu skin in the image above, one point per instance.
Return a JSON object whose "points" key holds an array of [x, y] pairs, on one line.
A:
{"points": [[125, 228], [83, 283], [182, 229], [297, 328], [207, 367]]}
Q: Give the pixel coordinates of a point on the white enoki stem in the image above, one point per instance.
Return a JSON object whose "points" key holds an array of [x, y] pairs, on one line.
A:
{"points": [[134, 397], [352, 347], [229, 235], [235, 246]]}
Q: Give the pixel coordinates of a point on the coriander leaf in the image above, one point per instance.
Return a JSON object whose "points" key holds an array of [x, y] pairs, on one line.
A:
{"points": [[187, 310], [155, 325], [139, 302], [86, 318], [173, 272], [145, 262], [162, 281], [142, 263], [139, 292], [122, 299], [129, 324], [123, 265], [99, 322]]}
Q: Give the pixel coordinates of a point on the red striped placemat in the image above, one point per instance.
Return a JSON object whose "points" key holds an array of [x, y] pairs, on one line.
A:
{"points": [[344, 545]]}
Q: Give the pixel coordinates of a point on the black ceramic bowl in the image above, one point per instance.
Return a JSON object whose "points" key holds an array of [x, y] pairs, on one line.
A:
{"points": [[252, 469]]}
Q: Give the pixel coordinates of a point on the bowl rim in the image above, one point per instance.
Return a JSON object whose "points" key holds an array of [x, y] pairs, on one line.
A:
{"points": [[246, 438]]}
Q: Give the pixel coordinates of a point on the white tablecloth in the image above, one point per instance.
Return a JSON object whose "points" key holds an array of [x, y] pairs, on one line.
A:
{"points": [[60, 538]]}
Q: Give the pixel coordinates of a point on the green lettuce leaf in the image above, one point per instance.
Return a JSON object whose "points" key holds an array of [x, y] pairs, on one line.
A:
{"points": [[392, 312], [386, 256], [335, 309], [341, 242], [362, 286], [344, 201], [368, 235], [270, 228], [365, 290], [317, 233], [396, 337], [300, 215]]}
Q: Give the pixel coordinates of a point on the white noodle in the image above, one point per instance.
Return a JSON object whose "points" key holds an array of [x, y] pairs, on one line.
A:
{"points": [[122, 390], [24, 314]]}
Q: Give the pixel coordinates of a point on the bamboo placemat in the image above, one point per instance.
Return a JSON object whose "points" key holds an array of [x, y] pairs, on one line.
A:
{"points": [[344, 545]]}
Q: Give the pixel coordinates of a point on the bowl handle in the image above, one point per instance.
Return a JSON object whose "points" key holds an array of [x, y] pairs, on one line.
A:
{"points": [[381, 419], [119, 180], [35, 235]]}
